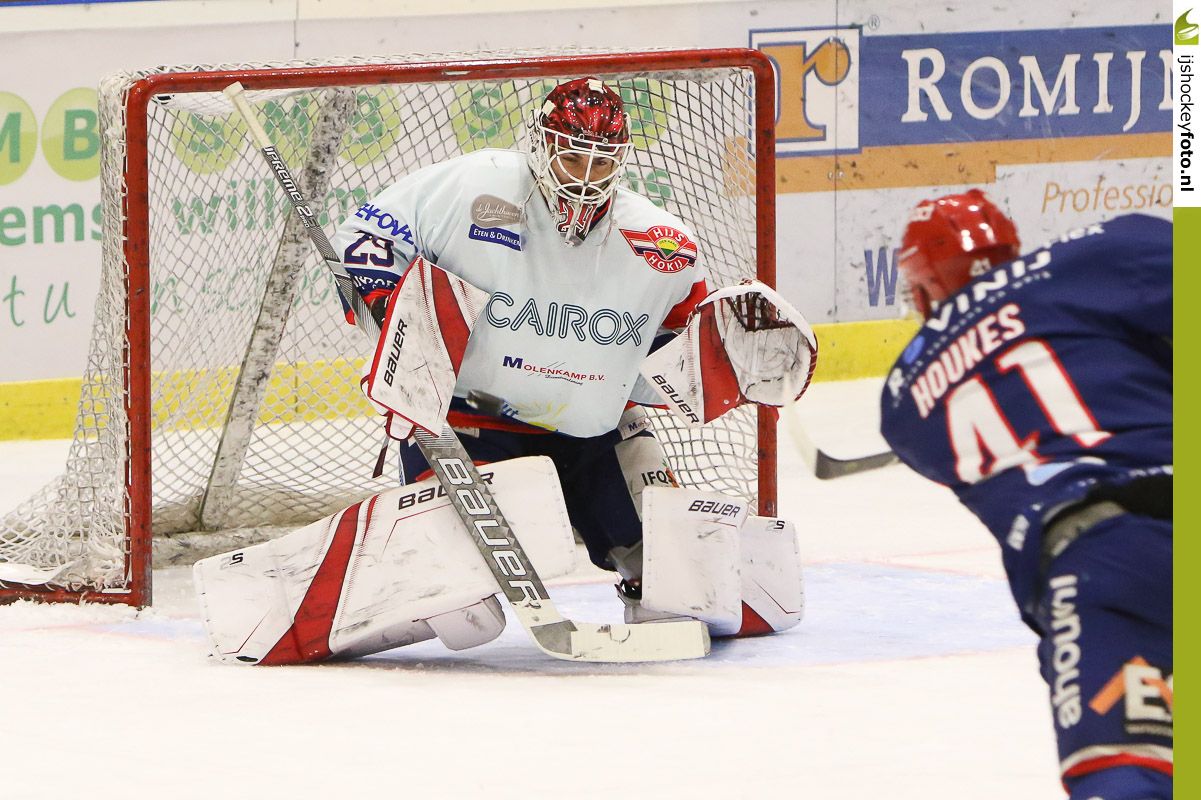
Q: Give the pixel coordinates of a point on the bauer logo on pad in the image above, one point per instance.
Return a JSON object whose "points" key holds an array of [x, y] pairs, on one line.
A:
{"points": [[665, 249]]}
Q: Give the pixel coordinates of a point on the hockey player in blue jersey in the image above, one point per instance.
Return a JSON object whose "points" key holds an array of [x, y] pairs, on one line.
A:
{"points": [[1039, 390]]}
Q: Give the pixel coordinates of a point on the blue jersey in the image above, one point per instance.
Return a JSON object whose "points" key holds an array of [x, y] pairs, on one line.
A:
{"points": [[1041, 379]]}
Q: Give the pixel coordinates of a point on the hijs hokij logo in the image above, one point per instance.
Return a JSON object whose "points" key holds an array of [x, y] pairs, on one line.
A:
{"points": [[1186, 32], [817, 81]]}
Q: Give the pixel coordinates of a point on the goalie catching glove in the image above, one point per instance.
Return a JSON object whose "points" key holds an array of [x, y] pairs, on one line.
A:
{"points": [[742, 344]]}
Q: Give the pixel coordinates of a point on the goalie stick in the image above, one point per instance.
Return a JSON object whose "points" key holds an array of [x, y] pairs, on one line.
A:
{"points": [[473, 501]]}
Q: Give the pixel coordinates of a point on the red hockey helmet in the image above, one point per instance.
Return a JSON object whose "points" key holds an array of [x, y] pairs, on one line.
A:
{"points": [[579, 142], [951, 240]]}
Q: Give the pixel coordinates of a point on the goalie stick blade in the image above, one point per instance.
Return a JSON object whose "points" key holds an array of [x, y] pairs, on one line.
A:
{"points": [[624, 644]]}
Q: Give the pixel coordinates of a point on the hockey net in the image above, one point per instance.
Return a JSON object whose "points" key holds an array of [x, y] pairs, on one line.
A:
{"points": [[221, 388]]}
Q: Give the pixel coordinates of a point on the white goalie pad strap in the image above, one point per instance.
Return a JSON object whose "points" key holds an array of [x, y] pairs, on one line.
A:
{"points": [[755, 347], [398, 428], [381, 574], [773, 589], [478, 623], [690, 556], [420, 350]]}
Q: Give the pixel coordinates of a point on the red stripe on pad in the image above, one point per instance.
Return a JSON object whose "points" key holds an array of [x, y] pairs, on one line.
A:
{"points": [[720, 384], [308, 637], [753, 624], [451, 321]]}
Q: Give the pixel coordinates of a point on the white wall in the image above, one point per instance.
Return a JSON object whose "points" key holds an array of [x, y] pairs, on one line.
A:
{"points": [[861, 140]]}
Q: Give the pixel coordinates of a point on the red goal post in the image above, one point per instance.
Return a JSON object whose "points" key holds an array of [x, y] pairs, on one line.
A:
{"points": [[192, 418]]}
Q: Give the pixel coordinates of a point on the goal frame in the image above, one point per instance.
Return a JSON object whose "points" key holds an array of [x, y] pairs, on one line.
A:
{"points": [[136, 233]]}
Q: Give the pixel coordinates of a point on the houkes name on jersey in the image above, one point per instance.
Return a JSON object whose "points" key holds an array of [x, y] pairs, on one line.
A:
{"points": [[976, 336]]}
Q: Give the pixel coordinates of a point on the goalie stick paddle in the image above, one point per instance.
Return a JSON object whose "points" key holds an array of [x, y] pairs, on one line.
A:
{"points": [[474, 503]]}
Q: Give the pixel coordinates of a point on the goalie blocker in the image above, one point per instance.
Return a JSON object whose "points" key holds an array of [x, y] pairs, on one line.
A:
{"points": [[420, 350]]}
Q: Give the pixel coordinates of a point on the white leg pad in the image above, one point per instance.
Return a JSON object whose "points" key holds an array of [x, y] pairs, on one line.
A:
{"points": [[390, 571], [691, 556], [773, 589], [470, 627], [400, 634], [705, 557]]}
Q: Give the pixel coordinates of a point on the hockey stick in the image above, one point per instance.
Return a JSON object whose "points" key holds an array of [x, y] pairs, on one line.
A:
{"points": [[473, 500], [826, 466]]}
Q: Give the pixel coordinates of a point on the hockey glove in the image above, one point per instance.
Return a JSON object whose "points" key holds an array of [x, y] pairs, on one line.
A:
{"points": [[742, 344]]}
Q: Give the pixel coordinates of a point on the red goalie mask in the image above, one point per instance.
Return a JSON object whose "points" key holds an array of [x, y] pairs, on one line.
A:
{"points": [[579, 142], [951, 240], [586, 109]]}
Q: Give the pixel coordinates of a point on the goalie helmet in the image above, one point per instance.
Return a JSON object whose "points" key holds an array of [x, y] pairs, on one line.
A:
{"points": [[579, 140], [951, 240]]}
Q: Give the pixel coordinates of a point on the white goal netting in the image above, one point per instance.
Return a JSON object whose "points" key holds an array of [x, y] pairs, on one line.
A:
{"points": [[255, 412]]}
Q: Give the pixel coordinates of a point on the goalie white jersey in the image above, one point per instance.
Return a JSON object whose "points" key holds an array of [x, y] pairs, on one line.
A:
{"points": [[565, 328]]}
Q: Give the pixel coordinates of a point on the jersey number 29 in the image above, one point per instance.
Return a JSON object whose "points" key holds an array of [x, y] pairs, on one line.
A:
{"points": [[369, 249]]}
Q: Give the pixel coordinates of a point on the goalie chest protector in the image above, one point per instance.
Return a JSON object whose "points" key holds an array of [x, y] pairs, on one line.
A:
{"points": [[565, 328]]}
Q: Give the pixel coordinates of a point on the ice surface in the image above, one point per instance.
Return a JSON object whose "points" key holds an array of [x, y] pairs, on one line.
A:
{"points": [[910, 677]]}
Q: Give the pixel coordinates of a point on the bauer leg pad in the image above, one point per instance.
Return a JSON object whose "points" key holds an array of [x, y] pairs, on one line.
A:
{"points": [[773, 585], [690, 556], [705, 557], [471, 626], [396, 569]]}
